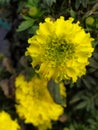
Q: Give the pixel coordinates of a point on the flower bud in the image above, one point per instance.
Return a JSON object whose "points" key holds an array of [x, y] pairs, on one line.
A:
{"points": [[33, 11], [90, 21]]}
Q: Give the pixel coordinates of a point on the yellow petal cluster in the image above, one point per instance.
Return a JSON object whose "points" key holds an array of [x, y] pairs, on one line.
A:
{"points": [[61, 48], [34, 102], [6, 123]]}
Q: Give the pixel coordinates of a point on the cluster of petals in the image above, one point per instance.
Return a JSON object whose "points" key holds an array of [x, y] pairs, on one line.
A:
{"points": [[6, 122], [61, 48], [34, 102]]}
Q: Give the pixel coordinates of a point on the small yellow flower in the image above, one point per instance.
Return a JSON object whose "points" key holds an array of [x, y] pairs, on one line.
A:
{"points": [[6, 123], [61, 48], [66, 128], [34, 102]]}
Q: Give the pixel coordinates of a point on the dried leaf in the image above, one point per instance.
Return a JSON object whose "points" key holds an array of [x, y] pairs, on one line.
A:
{"points": [[8, 87], [4, 86], [7, 63]]}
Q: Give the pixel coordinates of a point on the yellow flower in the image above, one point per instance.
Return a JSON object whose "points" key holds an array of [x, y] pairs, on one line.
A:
{"points": [[6, 123], [34, 103], [61, 48], [66, 128]]}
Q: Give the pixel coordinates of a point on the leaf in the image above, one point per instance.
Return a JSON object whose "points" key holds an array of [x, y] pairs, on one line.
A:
{"points": [[86, 83], [72, 13], [7, 64], [97, 25], [84, 3], [81, 105], [54, 90], [95, 54], [91, 70], [49, 2], [77, 97], [7, 85], [25, 25], [93, 63], [72, 127], [78, 83], [3, 2], [77, 4], [91, 80], [27, 18], [4, 86], [95, 43], [33, 2], [32, 30]]}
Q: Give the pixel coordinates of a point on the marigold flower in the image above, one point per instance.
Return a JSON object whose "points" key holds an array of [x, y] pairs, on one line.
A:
{"points": [[34, 103], [61, 48], [6, 123]]}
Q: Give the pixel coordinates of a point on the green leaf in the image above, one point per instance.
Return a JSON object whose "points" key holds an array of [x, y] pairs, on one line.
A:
{"points": [[54, 90], [91, 80], [84, 3], [93, 63], [86, 83], [49, 2], [91, 70], [25, 25], [72, 127], [33, 2], [3, 2], [95, 43], [97, 25], [26, 17], [78, 126], [77, 4], [81, 105], [72, 13], [32, 30], [95, 54], [76, 98]]}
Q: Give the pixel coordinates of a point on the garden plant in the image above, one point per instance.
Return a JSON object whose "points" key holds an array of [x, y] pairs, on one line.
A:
{"points": [[48, 64]]}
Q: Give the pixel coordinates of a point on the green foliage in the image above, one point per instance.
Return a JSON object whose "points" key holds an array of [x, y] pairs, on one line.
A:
{"points": [[24, 17], [49, 2], [77, 126], [93, 122], [33, 2], [4, 2], [25, 25], [90, 124], [85, 100], [31, 13]]}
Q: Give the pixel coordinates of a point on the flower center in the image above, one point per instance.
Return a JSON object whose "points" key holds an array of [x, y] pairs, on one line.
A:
{"points": [[58, 50]]}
